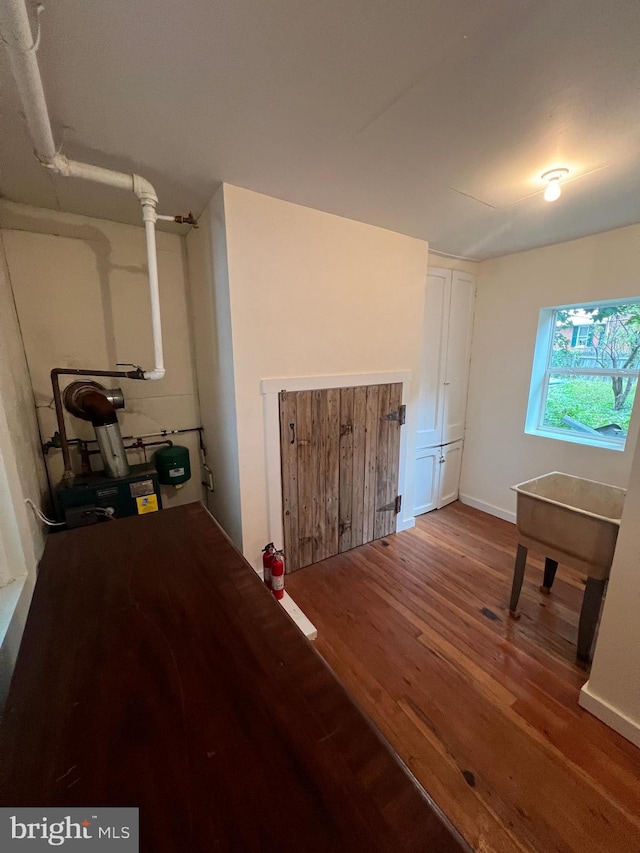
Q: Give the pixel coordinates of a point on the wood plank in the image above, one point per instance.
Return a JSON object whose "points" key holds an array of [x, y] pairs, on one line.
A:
{"points": [[346, 467], [382, 464], [484, 710], [332, 472], [289, 469], [359, 446], [319, 440], [306, 476], [370, 462], [113, 702]]}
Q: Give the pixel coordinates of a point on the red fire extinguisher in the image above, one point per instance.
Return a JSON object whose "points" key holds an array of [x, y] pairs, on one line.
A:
{"points": [[277, 574], [268, 553]]}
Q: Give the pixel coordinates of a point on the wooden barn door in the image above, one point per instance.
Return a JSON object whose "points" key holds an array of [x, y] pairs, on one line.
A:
{"points": [[339, 453]]}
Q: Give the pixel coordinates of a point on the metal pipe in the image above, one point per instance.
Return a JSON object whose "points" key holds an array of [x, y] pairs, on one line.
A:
{"points": [[96, 408], [115, 397], [189, 219], [142, 444], [85, 461], [90, 403], [137, 437], [164, 432], [138, 446], [136, 373], [112, 451], [75, 398], [67, 475]]}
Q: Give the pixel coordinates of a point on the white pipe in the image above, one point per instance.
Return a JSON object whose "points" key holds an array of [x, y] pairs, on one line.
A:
{"points": [[149, 213], [73, 169], [16, 33]]}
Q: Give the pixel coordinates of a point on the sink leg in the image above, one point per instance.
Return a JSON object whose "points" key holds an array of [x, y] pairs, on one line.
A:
{"points": [[550, 569], [589, 613], [518, 577]]}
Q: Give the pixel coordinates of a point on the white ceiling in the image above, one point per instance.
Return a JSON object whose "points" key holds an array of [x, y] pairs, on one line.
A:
{"points": [[434, 118]]}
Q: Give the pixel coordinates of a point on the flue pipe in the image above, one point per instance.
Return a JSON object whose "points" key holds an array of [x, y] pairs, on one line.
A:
{"points": [[89, 401], [15, 29], [67, 476]]}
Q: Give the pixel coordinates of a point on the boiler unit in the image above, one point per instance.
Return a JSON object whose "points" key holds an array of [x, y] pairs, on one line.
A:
{"points": [[117, 491], [93, 497]]}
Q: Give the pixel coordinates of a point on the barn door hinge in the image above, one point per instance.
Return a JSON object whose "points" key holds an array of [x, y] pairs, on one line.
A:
{"points": [[399, 415], [395, 505]]}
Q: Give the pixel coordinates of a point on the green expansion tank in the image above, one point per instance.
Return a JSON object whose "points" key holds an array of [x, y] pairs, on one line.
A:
{"points": [[172, 464]]}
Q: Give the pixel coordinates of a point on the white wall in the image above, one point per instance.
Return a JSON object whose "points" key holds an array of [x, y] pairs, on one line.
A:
{"points": [[81, 292], [312, 294], [613, 690], [211, 318], [21, 475], [511, 291]]}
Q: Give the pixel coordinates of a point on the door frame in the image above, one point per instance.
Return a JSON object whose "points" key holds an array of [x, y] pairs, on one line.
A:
{"points": [[270, 388]]}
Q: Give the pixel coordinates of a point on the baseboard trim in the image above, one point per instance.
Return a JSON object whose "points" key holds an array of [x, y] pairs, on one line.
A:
{"points": [[489, 508], [287, 603], [619, 722], [405, 524], [303, 622], [9, 598]]}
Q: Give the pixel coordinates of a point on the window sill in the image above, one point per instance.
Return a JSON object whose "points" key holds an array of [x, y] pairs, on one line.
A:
{"points": [[573, 438]]}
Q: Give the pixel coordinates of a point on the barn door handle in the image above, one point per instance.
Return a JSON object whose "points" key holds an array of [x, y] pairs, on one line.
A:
{"points": [[292, 427]]}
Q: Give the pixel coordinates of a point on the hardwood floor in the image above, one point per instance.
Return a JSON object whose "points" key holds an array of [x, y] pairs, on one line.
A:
{"points": [[483, 710]]}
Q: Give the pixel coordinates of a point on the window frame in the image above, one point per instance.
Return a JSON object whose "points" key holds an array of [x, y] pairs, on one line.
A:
{"points": [[542, 370]]}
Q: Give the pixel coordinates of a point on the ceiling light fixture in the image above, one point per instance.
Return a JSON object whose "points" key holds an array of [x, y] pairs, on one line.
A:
{"points": [[553, 178]]}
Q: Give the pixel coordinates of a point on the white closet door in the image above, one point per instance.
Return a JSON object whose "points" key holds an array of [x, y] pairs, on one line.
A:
{"points": [[450, 473], [458, 355], [431, 400], [427, 480]]}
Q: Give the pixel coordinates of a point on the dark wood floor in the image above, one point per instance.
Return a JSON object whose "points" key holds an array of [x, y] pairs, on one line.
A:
{"points": [[483, 710]]}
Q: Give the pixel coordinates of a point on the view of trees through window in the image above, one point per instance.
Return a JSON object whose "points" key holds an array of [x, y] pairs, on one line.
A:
{"points": [[592, 370]]}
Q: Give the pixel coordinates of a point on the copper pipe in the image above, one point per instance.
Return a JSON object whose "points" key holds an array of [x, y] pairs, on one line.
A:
{"points": [[138, 373], [64, 442]]}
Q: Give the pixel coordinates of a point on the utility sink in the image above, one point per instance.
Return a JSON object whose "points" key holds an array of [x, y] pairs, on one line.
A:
{"points": [[571, 521]]}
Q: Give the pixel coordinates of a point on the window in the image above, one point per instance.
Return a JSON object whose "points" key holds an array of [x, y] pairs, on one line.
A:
{"points": [[585, 373], [581, 336]]}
